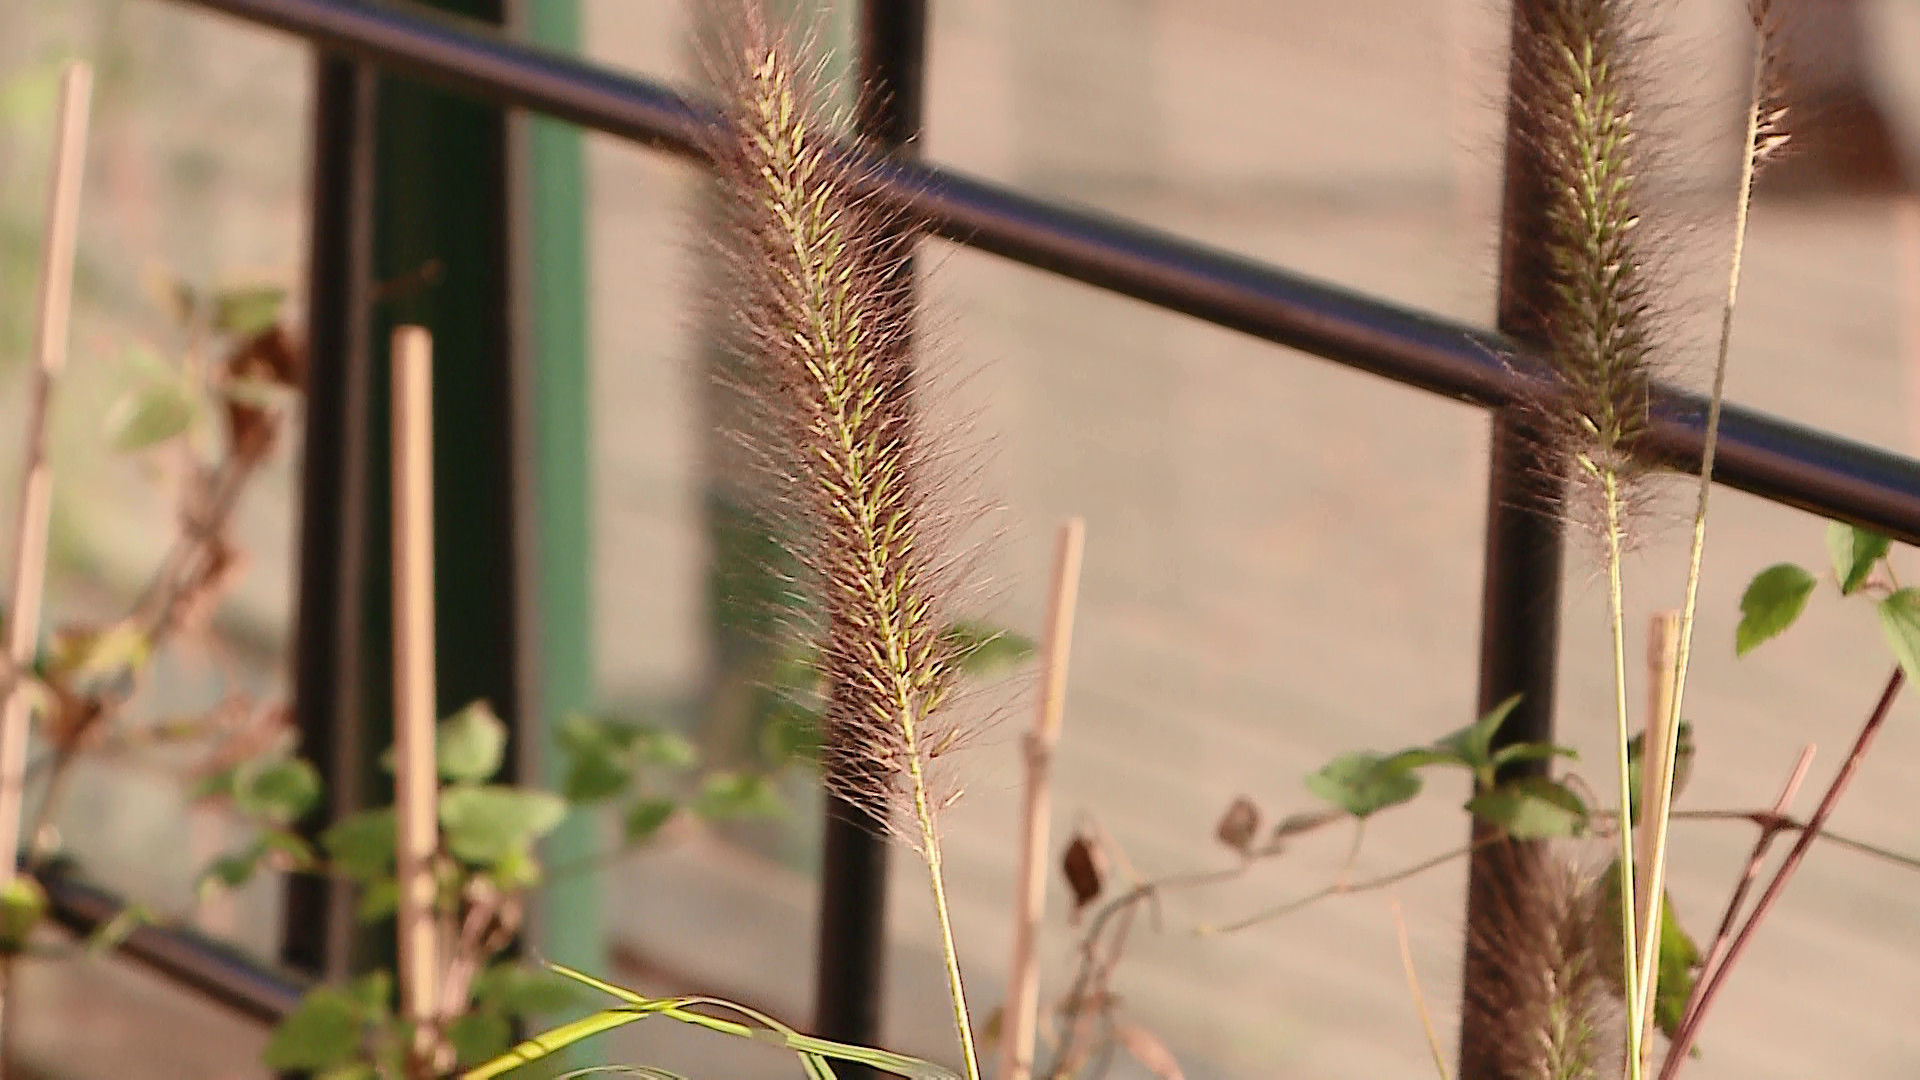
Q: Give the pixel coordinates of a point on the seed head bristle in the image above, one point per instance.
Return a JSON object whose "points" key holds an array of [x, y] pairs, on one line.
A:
{"points": [[815, 295], [1542, 989], [1596, 320], [1770, 133]]}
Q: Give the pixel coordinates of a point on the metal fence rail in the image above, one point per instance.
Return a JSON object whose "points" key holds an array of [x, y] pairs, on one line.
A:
{"points": [[1767, 456]]}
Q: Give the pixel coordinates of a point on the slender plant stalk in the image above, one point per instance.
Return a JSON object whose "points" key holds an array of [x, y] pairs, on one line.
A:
{"points": [[1670, 746], [1629, 931], [36, 496], [1419, 998], [414, 712], [1655, 786], [1710, 987], [956, 989], [1021, 1015]]}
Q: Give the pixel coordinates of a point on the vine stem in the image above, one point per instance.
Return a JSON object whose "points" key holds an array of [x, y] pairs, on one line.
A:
{"points": [[1670, 744], [1629, 934], [1710, 987]]}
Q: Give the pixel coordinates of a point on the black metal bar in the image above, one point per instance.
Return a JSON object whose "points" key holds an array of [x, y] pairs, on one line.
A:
{"points": [[851, 973], [221, 973], [1767, 456], [327, 638], [1520, 609]]}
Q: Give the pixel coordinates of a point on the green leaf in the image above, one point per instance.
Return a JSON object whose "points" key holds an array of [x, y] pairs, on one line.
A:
{"points": [[793, 733], [372, 993], [479, 1035], [295, 848], [1679, 959], [1900, 618], [361, 845], [980, 649], [378, 899], [728, 796], [111, 934], [22, 906], [1854, 551], [230, 871], [1363, 783], [150, 415], [323, 1032], [277, 791], [812, 1052], [518, 871], [1531, 808], [1773, 600], [595, 776], [1682, 766], [79, 658], [518, 991], [486, 824], [644, 818], [470, 744], [248, 309], [219, 785], [1471, 746], [667, 749], [1518, 752]]}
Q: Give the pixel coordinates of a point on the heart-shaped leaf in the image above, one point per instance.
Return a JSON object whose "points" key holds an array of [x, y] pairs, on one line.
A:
{"points": [[1772, 601]]}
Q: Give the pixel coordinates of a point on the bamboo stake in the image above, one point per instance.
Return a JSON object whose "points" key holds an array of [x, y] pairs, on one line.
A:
{"points": [[1663, 659], [1021, 1015], [36, 495], [415, 711]]}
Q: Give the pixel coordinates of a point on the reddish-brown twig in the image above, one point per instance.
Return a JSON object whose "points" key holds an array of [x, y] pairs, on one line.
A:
{"points": [[1712, 982], [1724, 935]]}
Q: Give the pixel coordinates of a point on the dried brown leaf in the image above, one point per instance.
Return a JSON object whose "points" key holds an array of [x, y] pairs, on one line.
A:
{"points": [[1084, 866], [1239, 825]]}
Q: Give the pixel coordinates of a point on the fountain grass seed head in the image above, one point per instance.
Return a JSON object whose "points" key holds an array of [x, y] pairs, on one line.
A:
{"points": [[817, 289], [1544, 988]]}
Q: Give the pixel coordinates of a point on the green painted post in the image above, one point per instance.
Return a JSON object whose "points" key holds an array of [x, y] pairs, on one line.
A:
{"points": [[570, 923]]}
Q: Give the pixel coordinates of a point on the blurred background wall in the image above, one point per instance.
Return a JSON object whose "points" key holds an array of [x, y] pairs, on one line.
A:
{"points": [[1283, 556]]}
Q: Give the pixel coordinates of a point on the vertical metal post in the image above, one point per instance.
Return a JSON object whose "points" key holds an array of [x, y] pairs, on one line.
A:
{"points": [[443, 199], [407, 177], [1520, 615], [853, 876], [327, 636], [553, 285]]}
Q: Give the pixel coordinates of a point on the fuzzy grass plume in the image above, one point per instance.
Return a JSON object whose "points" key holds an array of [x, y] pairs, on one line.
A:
{"points": [[1545, 989], [817, 290], [1575, 111]]}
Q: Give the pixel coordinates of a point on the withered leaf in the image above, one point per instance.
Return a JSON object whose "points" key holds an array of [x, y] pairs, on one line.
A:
{"points": [[1084, 866], [1238, 825]]}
